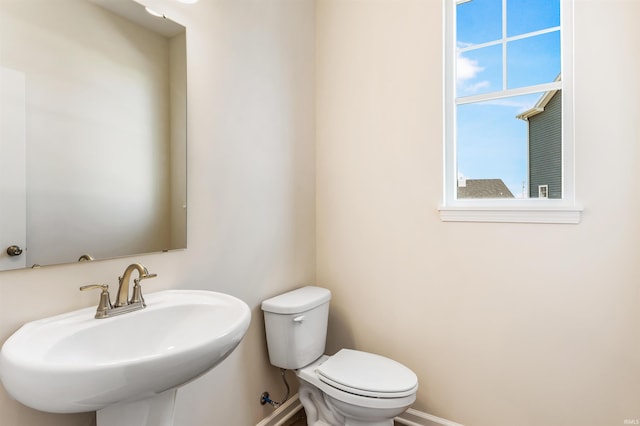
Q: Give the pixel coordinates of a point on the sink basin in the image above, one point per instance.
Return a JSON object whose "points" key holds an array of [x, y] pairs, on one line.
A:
{"points": [[74, 362]]}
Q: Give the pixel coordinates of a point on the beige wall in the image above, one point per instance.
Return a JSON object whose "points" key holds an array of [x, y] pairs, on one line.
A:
{"points": [[505, 324], [251, 201]]}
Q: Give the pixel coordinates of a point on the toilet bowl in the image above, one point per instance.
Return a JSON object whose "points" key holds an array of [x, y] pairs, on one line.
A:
{"points": [[357, 391], [350, 388]]}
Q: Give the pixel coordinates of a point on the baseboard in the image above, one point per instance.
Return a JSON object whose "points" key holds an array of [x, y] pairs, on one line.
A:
{"points": [[283, 413], [410, 417], [413, 417]]}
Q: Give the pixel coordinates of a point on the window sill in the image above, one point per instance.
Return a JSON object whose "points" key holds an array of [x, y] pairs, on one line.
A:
{"points": [[511, 214]]}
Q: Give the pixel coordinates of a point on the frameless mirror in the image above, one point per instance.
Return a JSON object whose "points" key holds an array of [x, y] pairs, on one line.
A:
{"points": [[92, 131]]}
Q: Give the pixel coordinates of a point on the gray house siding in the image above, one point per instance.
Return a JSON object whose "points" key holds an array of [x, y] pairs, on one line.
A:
{"points": [[545, 149]]}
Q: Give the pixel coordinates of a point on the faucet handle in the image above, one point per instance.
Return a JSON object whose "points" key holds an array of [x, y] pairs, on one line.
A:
{"points": [[105, 301], [136, 297], [104, 287]]}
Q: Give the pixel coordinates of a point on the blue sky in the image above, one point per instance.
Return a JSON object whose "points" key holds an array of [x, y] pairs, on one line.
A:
{"points": [[491, 142]]}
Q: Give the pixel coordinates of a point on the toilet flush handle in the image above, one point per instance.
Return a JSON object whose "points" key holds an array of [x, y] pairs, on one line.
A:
{"points": [[299, 319]]}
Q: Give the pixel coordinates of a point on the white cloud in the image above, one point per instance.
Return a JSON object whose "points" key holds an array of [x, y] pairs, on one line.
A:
{"points": [[466, 69], [463, 44], [473, 88]]}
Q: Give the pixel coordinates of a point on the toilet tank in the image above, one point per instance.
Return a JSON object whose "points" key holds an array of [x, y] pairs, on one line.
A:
{"points": [[296, 326]]}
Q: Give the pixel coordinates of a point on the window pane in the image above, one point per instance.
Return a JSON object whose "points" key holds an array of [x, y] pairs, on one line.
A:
{"points": [[493, 148], [524, 16], [533, 60], [478, 21], [479, 71]]}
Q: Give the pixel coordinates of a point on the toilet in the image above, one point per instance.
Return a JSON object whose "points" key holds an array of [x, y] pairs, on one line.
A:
{"points": [[350, 388]]}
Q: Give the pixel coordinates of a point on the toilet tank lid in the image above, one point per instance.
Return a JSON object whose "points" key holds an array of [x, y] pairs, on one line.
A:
{"points": [[297, 301]]}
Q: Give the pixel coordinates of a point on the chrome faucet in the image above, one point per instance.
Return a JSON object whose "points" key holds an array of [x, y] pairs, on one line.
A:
{"points": [[123, 303]]}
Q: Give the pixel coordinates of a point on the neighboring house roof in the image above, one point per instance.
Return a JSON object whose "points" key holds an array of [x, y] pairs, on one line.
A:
{"points": [[483, 188], [540, 105]]}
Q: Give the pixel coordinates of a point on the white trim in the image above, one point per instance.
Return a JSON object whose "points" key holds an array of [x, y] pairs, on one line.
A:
{"points": [[568, 121], [503, 42], [542, 214], [283, 413], [448, 83], [413, 417], [410, 417]]}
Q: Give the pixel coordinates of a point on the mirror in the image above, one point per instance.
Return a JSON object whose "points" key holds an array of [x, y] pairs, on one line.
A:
{"points": [[92, 131]]}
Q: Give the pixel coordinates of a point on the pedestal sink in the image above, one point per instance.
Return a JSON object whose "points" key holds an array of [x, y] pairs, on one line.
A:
{"points": [[128, 367]]}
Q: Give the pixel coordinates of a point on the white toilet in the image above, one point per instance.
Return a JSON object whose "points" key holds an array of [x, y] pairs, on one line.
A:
{"points": [[350, 388]]}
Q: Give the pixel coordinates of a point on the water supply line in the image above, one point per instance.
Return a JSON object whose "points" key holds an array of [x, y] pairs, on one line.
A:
{"points": [[264, 398]]}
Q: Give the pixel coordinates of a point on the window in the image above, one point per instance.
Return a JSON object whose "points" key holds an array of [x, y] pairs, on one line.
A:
{"points": [[543, 191], [508, 95]]}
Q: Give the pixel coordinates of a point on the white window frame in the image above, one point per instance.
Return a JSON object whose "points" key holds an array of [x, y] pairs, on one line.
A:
{"points": [[529, 210]]}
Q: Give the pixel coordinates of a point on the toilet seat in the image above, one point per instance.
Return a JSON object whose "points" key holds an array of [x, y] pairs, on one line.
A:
{"points": [[309, 374], [367, 374]]}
